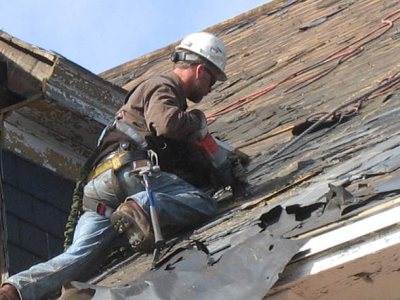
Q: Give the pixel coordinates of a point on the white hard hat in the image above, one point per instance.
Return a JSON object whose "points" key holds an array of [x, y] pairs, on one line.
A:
{"points": [[207, 46]]}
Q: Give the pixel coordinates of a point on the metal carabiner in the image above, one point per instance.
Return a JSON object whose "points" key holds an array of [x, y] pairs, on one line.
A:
{"points": [[153, 157]]}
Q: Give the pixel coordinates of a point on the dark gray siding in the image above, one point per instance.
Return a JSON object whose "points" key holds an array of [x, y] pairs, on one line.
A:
{"points": [[37, 205]]}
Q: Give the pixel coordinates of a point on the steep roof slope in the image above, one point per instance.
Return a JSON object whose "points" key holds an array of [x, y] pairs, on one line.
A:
{"points": [[312, 96]]}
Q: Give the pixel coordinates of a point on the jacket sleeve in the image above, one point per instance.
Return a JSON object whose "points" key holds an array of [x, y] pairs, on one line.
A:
{"points": [[165, 114]]}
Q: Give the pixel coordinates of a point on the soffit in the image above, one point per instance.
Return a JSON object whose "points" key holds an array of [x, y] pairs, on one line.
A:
{"points": [[53, 109]]}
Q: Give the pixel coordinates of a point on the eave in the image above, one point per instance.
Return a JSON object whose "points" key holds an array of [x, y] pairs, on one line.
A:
{"points": [[353, 259], [53, 109]]}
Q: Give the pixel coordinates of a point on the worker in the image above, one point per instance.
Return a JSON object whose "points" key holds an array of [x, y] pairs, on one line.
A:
{"points": [[153, 127]]}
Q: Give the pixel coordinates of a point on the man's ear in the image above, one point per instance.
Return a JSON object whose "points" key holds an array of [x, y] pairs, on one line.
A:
{"points": [[199, 69]]}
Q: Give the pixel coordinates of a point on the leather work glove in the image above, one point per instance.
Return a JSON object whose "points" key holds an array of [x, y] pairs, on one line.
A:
{"points": [[240, 185], [238, 168], [130, 218], [202, 131]]}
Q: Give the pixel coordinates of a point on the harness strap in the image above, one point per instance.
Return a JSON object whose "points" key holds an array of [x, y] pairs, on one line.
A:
{"points": [[117, 161]]}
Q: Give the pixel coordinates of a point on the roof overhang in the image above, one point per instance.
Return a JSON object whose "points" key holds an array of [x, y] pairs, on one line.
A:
{"points": [[52, 108], [354, 258]]}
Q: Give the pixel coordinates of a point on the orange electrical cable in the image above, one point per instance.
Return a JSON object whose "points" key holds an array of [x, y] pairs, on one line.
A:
{"points": [[343, 54]]}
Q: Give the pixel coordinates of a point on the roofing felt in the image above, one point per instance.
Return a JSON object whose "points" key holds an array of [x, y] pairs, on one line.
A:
{"points": [[312, 96]]}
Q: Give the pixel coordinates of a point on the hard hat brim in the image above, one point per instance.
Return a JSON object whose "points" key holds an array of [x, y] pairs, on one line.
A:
{"points": [[221, 76]]}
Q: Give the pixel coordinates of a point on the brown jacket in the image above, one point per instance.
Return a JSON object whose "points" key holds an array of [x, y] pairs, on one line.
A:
{"points": [[157, 109]]}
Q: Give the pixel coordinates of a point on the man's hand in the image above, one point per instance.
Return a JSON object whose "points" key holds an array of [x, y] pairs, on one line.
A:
{"points": [[240, 186], [239, 164], [238, 170]]}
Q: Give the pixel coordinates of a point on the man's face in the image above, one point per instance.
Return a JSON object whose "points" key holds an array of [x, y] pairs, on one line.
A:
{"points": [[202, 84]]}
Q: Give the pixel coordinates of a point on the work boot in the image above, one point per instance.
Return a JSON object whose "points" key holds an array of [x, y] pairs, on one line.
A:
{"points": [[130, 218], [9, 292]]}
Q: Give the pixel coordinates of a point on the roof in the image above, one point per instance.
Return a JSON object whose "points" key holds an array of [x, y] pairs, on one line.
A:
{"points": [[312, 96]]}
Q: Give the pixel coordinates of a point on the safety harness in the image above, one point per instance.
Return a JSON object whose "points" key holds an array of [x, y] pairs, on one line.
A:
{"points": [[116, 161], [126, 152]]}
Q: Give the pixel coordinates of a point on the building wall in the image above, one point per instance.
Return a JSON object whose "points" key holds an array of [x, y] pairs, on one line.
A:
{"points": [[37, 204]]}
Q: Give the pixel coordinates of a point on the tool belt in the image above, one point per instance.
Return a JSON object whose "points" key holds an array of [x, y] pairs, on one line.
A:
{"points": [[116, 161]]}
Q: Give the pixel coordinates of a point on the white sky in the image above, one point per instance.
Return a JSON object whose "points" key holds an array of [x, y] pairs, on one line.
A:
{"points": [[101, 34]]}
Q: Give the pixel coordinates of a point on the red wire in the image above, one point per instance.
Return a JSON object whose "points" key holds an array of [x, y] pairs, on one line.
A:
{"points": [[341, 54]]}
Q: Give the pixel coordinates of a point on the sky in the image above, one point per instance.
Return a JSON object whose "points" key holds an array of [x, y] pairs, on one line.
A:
{"points": [[102, 34]]}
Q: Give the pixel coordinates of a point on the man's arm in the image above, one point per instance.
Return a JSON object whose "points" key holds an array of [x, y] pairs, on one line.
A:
{"points": [[166, 115]]}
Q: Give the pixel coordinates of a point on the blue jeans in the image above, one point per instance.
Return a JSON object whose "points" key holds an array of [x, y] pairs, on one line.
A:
{"points": [[178, 205]]}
